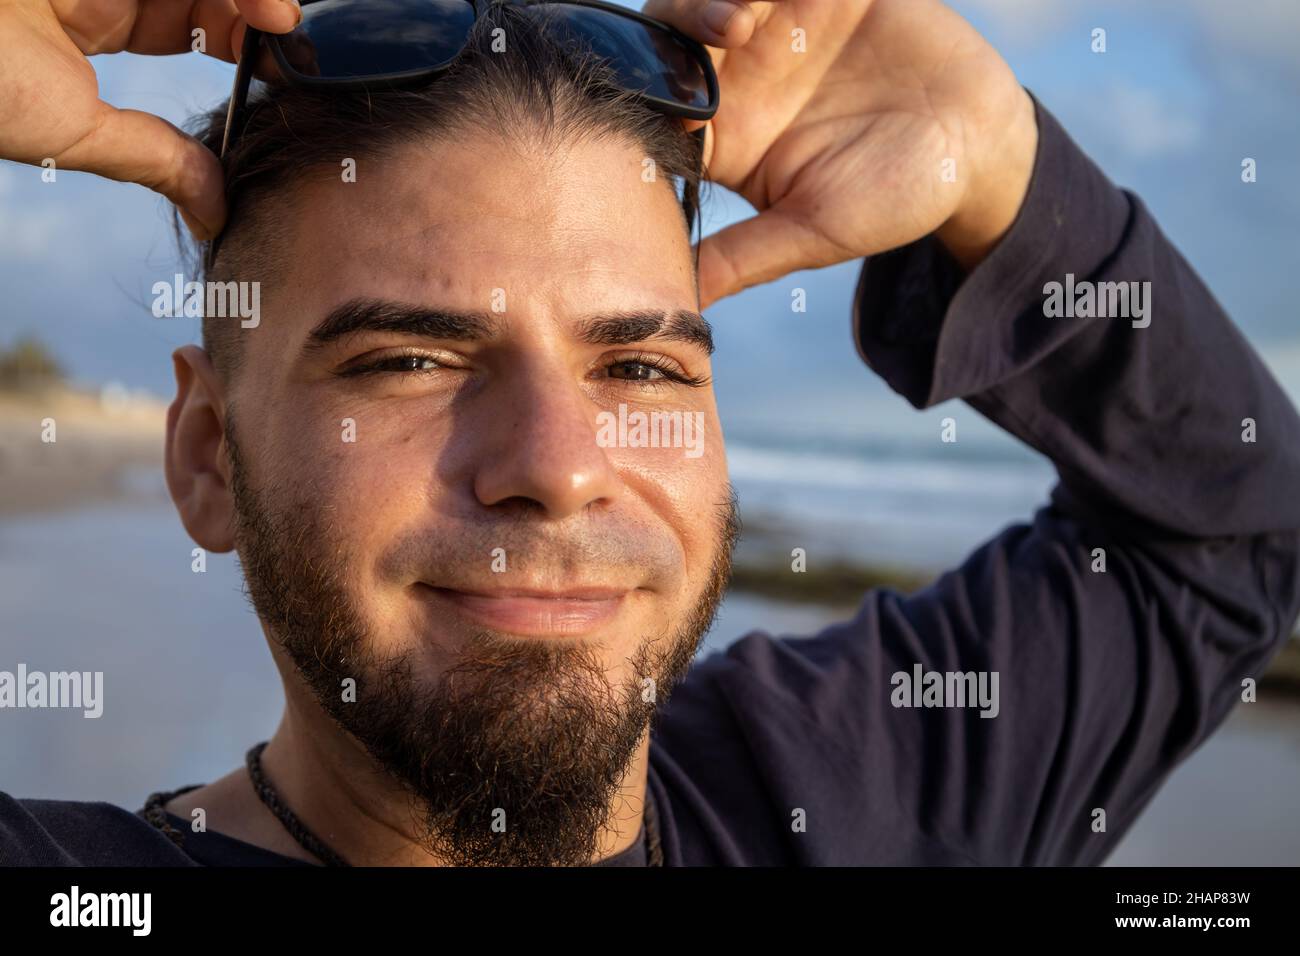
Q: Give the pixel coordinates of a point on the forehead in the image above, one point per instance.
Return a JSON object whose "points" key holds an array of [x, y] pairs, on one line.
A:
{"points": [[478, 222]]}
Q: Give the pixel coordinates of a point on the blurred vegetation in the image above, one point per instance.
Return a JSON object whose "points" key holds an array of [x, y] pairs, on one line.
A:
{"points": [[27, 365], [839, 584], [1284, 672]]}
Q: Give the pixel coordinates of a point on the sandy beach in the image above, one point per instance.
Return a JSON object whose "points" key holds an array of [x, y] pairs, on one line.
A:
{"points": [[99, 440]]}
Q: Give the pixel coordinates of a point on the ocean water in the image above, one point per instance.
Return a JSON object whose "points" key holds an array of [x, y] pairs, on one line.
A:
{"points": [[919, 505], [189, 684]]}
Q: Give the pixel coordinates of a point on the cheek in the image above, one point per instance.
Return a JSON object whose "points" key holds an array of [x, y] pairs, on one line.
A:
{"points": [[368, 455], [367, 494], [364, 475], [686, 492]]}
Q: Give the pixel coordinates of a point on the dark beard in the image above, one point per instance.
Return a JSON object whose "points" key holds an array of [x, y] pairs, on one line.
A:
{"points": [[514, 757]]}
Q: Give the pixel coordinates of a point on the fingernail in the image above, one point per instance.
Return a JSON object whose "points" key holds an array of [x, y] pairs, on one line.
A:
{"points": [[718, 14]]}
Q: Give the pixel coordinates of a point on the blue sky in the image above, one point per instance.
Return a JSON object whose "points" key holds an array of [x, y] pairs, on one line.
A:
{"points": [[1186, 89]]}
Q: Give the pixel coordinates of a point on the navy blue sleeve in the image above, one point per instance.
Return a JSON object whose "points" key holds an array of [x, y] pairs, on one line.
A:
{"points": [[1106, 678]]}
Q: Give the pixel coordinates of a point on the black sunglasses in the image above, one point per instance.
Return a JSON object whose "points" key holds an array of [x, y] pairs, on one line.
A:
{"points": [[361, 44]]}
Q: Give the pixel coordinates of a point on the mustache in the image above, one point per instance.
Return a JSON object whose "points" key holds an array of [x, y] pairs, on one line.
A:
{"points": [[588, 551]]}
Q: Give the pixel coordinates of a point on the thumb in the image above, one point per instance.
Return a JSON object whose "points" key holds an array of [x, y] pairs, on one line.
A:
{"points": [[757, 250], [131, 146]]}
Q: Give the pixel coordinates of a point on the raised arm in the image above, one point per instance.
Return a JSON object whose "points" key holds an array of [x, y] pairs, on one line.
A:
{"points": [[1177, 452], [1178, 457], [51, 113], [1121, 622]]}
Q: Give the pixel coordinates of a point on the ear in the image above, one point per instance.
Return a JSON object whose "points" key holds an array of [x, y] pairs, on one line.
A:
{"points": [[195, 460]]}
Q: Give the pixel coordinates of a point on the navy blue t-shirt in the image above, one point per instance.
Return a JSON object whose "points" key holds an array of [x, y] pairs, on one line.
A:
{"points": [[785, 750]]}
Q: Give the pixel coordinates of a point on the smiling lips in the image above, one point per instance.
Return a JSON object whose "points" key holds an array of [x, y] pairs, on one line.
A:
{"points": [[570, 613]]}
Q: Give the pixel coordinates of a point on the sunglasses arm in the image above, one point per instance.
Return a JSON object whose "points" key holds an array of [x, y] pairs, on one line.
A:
{"points": [[235, 116], [239, 96]]}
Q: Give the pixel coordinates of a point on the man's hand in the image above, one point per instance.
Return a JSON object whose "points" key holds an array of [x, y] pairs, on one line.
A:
{"points": [[49, 96], [895, 120]]}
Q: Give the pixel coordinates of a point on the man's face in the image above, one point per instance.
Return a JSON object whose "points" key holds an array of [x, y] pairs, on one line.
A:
{"points": [[446, 482]]}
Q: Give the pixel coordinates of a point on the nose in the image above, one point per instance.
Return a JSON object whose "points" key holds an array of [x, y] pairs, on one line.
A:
{"points": [[542, 450]]}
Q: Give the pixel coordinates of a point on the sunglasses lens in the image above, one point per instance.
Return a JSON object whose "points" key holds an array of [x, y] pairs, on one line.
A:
{"points": [[354, 39], [646, 58]]}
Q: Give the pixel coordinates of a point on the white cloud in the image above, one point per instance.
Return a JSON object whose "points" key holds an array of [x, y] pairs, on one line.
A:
{"points": [[1144, 124], [1245, 26], [1020, 19], [1257, 26], [28, 230]]}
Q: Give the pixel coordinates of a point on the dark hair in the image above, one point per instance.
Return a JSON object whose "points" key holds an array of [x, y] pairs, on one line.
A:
{"points": [[533, 89]]}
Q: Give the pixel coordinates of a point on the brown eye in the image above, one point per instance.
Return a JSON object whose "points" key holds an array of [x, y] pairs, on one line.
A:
{"points": [[395, 364], [635, 372], [410, 363]]}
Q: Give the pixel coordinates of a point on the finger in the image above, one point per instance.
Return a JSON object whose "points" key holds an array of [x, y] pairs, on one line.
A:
{"points": [[266, 68], [757, 250], [170, 27], [273, 16], [719, 23], [131, 146]]}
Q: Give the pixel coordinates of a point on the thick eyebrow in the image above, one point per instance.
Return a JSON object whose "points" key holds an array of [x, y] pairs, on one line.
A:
{"points": [[374, 315], [618, 328], [626, 328]]}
